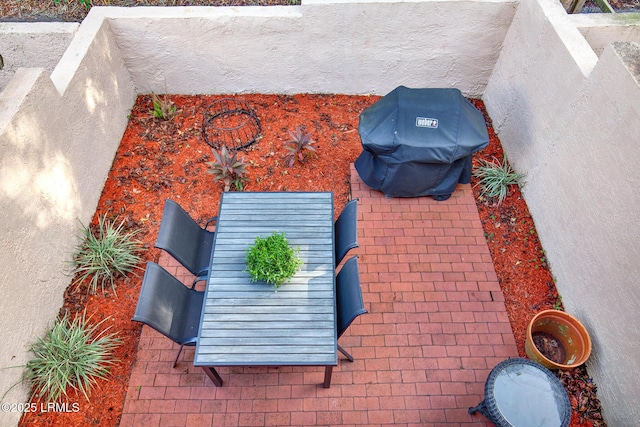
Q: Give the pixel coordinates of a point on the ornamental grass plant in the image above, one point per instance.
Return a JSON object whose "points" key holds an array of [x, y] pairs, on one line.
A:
{"points": [[105, 253], [496, 177], [73, 354]]}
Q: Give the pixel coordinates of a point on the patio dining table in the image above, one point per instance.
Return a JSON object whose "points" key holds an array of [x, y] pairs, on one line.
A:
{"points": [[247, 323]]}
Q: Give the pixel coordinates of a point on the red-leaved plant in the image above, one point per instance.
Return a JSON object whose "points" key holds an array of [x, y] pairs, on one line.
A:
{"points": [[299, 142], [229, 169]]}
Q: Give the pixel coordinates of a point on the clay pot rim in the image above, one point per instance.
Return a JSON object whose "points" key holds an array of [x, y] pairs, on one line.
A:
{"points": [[580, 327]]}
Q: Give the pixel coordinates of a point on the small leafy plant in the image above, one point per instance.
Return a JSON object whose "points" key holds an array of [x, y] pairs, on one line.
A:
{"points": [[73, 354], [298, 146], [86, 3], [163, 108], [104, 253], [272, 259], [496, 177], [558, 304], [229, 169]]}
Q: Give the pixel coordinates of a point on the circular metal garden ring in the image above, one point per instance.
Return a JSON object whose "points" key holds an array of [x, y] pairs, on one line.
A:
{"points": [[230, 122]]}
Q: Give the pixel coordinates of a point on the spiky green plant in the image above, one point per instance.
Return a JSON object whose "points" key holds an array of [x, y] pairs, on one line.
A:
{"points": [[229, 169], [163, 108], [272, 259], [299, 142], [496, 177], [73, 354], [104, 253]]}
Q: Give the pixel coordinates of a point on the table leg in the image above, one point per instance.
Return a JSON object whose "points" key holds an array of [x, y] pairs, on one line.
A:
{"points": [[213, 375], [482, 408], [327, 376]]}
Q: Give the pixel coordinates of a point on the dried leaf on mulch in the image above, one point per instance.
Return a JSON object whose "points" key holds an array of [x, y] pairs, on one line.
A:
{"points": [[582, 395]]}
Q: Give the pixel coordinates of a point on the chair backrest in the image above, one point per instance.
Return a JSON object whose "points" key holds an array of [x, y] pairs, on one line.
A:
{"points": [[168, 306], [346, 230], [182, 237], [349, 304]]}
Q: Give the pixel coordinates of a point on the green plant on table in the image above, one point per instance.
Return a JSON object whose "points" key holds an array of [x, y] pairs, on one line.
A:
{"points": [[163, 108], [229, 169], [73, 354], [298, 146], [272, 259], [104, 253], [496, 177]]}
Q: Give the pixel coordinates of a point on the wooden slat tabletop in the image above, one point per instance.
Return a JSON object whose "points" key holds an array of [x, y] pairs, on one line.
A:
{"points": [[247, 323]]}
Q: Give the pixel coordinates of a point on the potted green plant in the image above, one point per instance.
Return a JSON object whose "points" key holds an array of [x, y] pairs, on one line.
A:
{"points": [[557, 340], [272, 260]]}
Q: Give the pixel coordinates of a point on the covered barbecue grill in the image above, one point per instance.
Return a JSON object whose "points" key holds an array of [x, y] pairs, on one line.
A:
{"points": [[419, 142]]}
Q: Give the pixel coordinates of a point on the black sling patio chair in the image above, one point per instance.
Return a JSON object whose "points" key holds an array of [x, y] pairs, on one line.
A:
{"points": [[169, 307], [346, 230], [190, 244], [349, 304]]}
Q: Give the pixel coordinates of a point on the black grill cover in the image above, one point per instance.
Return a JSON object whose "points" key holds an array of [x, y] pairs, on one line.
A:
{"points": [[419, 142]]}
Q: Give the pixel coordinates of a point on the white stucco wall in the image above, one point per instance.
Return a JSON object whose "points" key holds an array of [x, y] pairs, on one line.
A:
{"points": [[602, 29], [571, 122], [38, 44], [320, 46], [57, 138]]}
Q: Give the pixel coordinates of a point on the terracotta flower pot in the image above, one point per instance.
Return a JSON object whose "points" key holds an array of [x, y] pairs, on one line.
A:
{"points": [[563, 339]]}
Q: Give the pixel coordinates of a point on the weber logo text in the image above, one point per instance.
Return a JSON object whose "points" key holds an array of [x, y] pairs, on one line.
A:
{"points": [[423, 122]]}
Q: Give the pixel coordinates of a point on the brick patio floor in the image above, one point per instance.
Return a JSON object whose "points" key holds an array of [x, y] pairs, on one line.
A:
{"points": [[436, 327]]}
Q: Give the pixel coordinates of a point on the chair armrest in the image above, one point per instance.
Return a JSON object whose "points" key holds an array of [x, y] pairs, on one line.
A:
{"points": [[213, 219], [202, 278]]}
